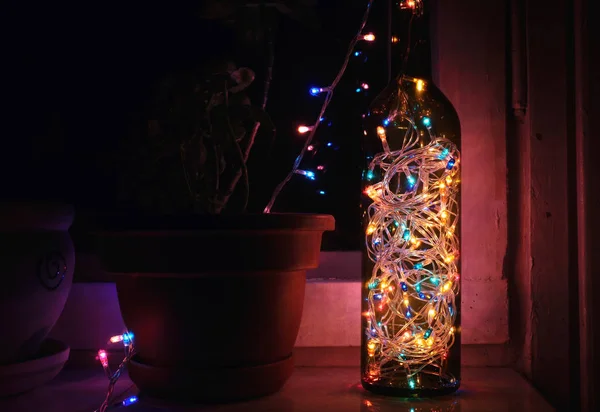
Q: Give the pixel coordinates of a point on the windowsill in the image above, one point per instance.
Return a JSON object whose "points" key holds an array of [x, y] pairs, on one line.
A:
{"points": [[309, 389]]}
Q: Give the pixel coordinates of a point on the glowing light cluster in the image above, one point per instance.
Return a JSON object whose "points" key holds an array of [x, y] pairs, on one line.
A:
{"points": [[412, 241], [113, 376]]}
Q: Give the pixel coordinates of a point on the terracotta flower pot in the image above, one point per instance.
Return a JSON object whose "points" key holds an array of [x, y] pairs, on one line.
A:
{"points": [[214, 302], [37, 258]]}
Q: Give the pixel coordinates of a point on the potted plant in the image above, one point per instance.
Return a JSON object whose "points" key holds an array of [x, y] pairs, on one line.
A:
{"points": [[213, 294], [37, 258]]}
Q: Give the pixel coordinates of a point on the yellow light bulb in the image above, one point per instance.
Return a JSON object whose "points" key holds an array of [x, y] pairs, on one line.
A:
{"points": [[420, 85], [366, 314], [442, 185], [381, 131], [444, 214], [406, 302], [431, 313], [304, 129], [449, 258], [371, 229], [448, 179], [447, 286], [430, 342], [371, 348], [395, 39], [452, 330], [369, 37]]}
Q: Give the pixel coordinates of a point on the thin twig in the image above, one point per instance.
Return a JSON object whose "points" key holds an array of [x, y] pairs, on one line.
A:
{"points": [[245, 154]]}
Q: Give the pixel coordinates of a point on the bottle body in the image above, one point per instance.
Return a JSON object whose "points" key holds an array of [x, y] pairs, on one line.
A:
{"points": [[411, 256]]}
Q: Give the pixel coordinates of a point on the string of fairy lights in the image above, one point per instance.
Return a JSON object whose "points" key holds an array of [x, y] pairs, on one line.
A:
{"points": [[412, 243], [113, 376], [328, 91], [411, 240]]}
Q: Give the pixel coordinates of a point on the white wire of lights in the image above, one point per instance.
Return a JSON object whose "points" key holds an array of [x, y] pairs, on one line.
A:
{"points": [[328, 96], [113, 376], [412, 242]]}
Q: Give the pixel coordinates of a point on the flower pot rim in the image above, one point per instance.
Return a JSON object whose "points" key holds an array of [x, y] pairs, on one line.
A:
{"points": [[35, 215], [128, 224]]}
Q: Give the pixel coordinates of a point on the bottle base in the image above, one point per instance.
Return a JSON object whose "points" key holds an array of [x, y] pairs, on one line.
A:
{"points": [[411, 393]]}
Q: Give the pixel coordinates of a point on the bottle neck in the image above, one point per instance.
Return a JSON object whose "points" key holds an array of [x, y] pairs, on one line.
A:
{"points": [[418, 64]]}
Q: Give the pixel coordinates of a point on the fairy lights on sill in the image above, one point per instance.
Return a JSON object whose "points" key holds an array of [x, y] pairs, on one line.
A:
{"points": [[113, 376], [411, 240]]}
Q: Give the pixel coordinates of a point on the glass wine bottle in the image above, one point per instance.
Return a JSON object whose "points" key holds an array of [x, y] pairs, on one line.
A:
{"points": [[411, 257]]}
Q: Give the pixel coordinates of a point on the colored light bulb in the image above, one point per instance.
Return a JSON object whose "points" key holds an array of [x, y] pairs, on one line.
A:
{"points": [[368, 37], [130, 401], [304, 129], [103, 358], [315, 91]]}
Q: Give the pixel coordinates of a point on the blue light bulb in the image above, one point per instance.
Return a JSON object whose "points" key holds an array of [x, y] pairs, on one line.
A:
{"points": [[310, 175], [370, 175], [444, 154], [358, 90], [427, 121], [357, 53], [450, 164], [314, 91], [127, 338], [386, 122], [129, 401], [321, 192], [329, 144], [411, 181]]}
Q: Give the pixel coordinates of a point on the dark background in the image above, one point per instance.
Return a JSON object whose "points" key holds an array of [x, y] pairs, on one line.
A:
{"points": [[77, 74]]}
